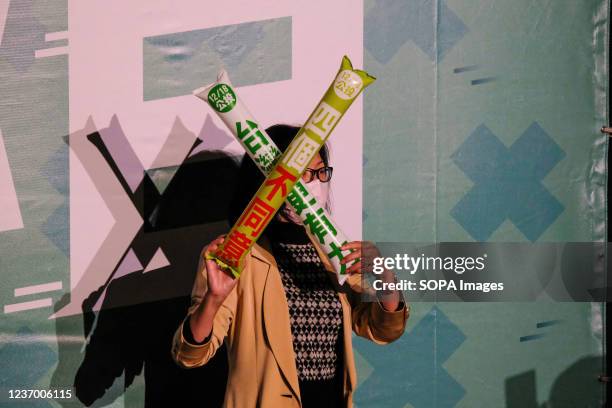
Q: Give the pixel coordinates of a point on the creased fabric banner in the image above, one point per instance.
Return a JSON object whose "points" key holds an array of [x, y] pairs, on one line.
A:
{"points": [[482, 129]]}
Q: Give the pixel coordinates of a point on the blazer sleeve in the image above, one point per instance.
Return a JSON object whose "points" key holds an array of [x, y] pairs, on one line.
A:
{"points": [[187, 354], [370, 319]]}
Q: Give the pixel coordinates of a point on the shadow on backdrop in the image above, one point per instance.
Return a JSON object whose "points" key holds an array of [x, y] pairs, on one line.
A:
{"points": [[140, 307], [576, 387]]}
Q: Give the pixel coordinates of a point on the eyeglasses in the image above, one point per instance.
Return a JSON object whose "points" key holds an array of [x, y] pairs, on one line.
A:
{"points": [[324, 174]]}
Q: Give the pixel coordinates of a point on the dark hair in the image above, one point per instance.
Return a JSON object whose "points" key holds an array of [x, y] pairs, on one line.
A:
{"points": [[250, 177]]}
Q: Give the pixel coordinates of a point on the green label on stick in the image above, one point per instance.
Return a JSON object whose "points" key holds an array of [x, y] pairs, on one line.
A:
{"points": [[222, 98]]}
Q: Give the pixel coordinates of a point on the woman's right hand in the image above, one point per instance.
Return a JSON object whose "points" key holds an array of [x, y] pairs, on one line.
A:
{"points": [[220, 282]]}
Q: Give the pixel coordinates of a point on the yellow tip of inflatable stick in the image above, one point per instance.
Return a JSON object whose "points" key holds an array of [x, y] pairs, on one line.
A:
{"points": [[223, 265], [365, 77]]}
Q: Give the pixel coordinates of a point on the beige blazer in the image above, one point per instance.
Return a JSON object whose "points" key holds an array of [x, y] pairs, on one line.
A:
{"points": [[254, 322]]}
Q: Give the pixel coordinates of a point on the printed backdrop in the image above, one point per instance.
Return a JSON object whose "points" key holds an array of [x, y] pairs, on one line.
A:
{"points": [[483, 125]]}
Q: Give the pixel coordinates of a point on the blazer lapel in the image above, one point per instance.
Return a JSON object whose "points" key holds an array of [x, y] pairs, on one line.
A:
{"points": [[276, 317]]}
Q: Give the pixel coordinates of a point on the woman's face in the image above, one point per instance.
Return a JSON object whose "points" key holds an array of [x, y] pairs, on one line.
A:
{"points": [[288, 214], [315, 164]]}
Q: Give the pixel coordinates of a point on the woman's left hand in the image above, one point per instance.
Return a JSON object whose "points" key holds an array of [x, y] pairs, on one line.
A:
{"points": [[366, 251]]}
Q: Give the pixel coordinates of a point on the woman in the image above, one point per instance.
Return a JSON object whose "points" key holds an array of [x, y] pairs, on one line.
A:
{"points": [[286, 321]]}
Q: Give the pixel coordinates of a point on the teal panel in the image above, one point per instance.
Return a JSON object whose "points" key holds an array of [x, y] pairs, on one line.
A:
{"points": [[484, 126], [34, 124], [255, 52]]}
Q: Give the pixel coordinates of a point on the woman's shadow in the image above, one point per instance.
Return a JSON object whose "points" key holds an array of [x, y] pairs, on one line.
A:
{"points": [[141, 307]]}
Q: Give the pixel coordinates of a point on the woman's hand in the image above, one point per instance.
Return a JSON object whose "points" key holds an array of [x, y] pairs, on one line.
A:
{"points": [[366, 251], [220, 282]]}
